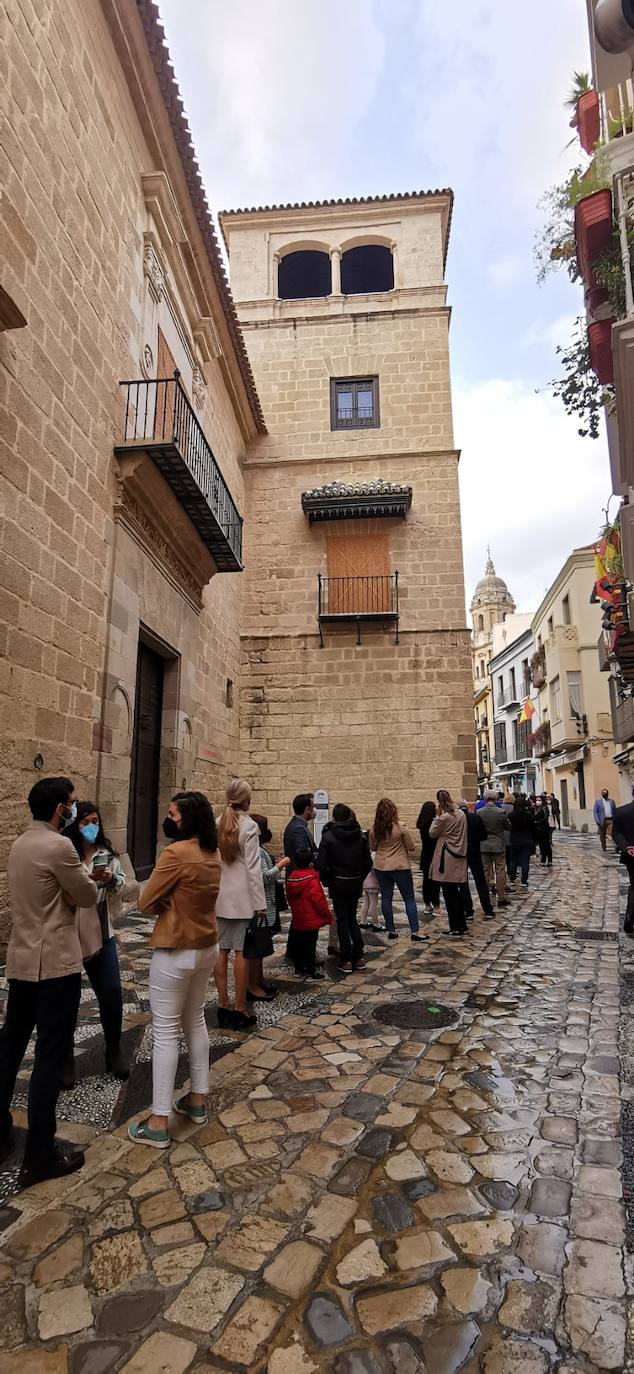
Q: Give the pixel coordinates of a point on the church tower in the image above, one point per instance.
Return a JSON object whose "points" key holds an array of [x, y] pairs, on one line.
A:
{"points": [[490, 604], [356, 667]]}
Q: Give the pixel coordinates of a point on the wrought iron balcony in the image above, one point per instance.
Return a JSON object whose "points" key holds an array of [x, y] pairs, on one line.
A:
{"points": [[358, 599], [160, 420]]}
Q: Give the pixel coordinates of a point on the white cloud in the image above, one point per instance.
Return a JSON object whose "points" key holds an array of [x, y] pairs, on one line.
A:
{"points": [[530, 487], [273, 89], [504, 271], [550, 333]]}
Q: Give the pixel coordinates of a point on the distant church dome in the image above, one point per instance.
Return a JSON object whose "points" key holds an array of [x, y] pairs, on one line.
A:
{"points": [[492, 590]]}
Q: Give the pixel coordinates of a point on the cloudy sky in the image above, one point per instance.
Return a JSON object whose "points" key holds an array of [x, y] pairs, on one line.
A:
{"points": [[311, 99]]}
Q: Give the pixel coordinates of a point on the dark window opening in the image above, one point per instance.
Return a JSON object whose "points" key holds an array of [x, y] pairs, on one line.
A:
{"points": [[354, 403], [365, 269], [229, 692], [303, 274]]}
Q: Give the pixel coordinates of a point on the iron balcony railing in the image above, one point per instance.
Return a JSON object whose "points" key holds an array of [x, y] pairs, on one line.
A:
{"points": [[160, 419], [358, 599]]}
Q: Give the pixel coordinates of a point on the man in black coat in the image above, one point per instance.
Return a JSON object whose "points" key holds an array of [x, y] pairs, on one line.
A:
{"points": [[476, 833], [343, 861], [623, 836]]}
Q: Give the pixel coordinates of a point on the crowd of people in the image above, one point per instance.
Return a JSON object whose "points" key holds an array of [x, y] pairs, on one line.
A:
{"points": [[216, 894]]}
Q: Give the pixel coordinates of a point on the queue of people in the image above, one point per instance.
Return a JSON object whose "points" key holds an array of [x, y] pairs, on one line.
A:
{"points": [[216, 893]]}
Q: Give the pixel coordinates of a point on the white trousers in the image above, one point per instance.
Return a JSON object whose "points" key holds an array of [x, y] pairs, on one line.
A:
{"points": [[178, 984]]}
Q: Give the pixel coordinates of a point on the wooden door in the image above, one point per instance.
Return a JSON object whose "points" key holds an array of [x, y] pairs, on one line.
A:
{"points": [[165, 395], [359, 581], [146, 761]]}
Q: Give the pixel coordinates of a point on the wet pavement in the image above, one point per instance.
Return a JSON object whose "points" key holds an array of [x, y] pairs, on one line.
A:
{"points": [[417, 1168]]}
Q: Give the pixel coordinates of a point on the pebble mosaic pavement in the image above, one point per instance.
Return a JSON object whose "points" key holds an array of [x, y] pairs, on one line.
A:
{"points": [[366, 1199]]}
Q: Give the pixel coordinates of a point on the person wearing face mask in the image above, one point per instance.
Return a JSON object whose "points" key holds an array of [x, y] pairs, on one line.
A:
{"points": [[96, 933], [47, 885], [181, 892]]}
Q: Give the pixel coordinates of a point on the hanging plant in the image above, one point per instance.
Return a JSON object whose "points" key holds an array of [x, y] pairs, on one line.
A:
{"points": [[583, 395]]}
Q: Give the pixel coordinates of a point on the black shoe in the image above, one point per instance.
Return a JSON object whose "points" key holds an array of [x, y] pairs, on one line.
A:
{"points": [[315, 976], [68, 1076], [225, 1016], [420, 939], [64, 1160], [391, 935], [503, 904], [241, 1022], [116, 1062]]}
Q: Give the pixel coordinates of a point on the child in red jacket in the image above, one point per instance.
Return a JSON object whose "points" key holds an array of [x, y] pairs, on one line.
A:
{"points": [[309, 911]]}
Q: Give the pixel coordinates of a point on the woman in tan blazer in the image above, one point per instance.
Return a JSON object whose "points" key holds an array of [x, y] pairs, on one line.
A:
{"points": [[181, 893], [449, 864], [394, 848]]}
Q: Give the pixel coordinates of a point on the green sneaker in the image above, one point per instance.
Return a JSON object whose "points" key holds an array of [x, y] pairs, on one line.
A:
{"points": [[141, 1134], [197, 1114]]}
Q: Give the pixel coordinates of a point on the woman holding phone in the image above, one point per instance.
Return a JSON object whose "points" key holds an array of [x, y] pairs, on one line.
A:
{"points": [[96, 933]]}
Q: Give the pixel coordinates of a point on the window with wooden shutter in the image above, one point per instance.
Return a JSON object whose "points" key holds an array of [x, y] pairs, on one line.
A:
{"points": [[165, 395], [359, 577]]}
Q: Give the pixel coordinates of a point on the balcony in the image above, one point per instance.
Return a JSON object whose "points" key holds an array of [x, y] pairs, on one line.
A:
{"points": [[540, 740], [161, 423], [358, 600], [622, 712], [482, 723], [507, 700]]}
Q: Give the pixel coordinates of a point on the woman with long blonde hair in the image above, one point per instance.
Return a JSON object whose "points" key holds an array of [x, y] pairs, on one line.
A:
{"points": [[241, 896], [394, 847]]}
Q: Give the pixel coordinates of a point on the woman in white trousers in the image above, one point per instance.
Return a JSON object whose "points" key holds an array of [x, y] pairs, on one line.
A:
{"points": [[181, 892]]}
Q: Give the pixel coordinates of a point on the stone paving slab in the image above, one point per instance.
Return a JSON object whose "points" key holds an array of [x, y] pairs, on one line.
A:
{"points": [[366, 1199]]}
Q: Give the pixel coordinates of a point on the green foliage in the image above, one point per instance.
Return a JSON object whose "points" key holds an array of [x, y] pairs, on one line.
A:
{"points": [[580, 86], [555, 243], [608, 270], [583, 395]]}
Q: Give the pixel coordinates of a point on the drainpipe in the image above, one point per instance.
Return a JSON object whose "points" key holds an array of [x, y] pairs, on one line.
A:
{"points": [[625, 247]]}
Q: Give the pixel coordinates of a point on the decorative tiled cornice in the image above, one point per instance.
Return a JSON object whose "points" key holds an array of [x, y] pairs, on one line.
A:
{"points": [[357, 501]]}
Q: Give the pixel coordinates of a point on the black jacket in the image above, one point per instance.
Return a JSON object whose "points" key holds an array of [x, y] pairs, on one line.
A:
{"points": [[523, 828], [476, 833], [344, 852], [623, 829]]}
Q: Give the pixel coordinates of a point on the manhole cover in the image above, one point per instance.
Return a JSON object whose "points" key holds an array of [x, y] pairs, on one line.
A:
{"points": [[425, 1015], [608, 935]]}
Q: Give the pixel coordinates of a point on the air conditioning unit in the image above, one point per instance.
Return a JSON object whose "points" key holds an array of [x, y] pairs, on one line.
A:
{"points": [[614, 24]]}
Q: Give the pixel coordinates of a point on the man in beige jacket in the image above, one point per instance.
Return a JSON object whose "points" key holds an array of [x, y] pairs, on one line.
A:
{"points": [[47, 884]]}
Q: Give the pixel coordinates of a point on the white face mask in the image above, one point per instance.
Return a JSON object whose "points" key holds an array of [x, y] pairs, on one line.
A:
{"points": [[68, 820]]}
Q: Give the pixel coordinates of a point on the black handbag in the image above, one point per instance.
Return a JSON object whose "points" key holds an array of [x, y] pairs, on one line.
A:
{"points": [[258, 941]]}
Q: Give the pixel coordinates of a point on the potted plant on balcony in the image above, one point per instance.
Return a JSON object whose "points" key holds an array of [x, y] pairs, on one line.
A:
{"points": [[600, 349], [586, 119], [593, 227]]}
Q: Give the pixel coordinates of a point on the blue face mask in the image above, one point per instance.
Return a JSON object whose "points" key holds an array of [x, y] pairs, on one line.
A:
{"points": [[90, 832]]}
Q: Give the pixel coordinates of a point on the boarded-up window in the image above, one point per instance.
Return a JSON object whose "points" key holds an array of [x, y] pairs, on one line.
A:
{"points": [[359, 579], [165, 395]]}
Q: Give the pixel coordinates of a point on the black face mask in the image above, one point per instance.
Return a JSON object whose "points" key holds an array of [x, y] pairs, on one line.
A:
{"points": [[170, 829]]}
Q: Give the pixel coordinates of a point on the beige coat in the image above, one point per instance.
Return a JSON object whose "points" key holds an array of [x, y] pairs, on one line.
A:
{"points": [[450, 833], [241, 883], [395, 852], [47, 883]]}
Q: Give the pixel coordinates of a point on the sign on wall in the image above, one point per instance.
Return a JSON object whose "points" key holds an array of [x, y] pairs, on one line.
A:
{"points": [[320, 799]]}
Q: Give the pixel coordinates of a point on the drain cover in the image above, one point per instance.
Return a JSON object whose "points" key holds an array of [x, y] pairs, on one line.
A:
{"points": [[415, 1015], [608, 935]]}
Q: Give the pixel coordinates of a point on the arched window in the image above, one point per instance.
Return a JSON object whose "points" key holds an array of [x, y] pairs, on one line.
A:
{"points": [[480, 622], [303, 274], [367, 268]]}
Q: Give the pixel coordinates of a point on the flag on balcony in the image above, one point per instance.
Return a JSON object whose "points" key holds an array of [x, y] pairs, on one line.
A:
{"points": [[528, 711]]}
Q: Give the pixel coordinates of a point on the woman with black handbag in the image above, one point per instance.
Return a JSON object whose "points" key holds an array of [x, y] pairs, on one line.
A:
{"points": [[241, 909]]}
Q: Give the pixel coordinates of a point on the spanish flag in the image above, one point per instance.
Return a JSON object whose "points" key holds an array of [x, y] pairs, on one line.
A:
{"points": [[528, 710]]}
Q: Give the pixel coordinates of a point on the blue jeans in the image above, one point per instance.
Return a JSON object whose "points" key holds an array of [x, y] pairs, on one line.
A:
{"points": [[405, 884], [105, 979]]}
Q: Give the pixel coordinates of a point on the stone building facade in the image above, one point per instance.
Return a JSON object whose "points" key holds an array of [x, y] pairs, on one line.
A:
{"points": [[136, 655], [345, 319]]}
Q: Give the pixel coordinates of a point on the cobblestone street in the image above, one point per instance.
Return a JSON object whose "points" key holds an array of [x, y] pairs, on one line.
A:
{"points": [[369, 1197]]}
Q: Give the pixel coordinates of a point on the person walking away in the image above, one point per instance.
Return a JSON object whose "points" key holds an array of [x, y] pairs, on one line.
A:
{"points": [[476, 833], [369, 915], [96, 932], [523, 835], [181, 892], [543, 832], [449, 866], [272, 871], [603, 812], [343, 862], [623, 836], [241, 896], [310, 911], [493, 848], [431, 890], [47, 885], [556, 809], [297, 838], [394, 848]]}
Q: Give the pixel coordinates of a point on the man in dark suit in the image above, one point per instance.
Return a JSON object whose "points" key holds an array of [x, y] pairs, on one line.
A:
{"points": [[476, 833], [623, 836]]}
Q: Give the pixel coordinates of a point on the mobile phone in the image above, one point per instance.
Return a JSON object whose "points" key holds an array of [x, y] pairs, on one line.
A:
{"points": [[101, 860]]}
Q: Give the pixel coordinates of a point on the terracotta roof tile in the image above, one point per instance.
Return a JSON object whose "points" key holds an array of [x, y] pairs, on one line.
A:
{"points": [[155, 37]]}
